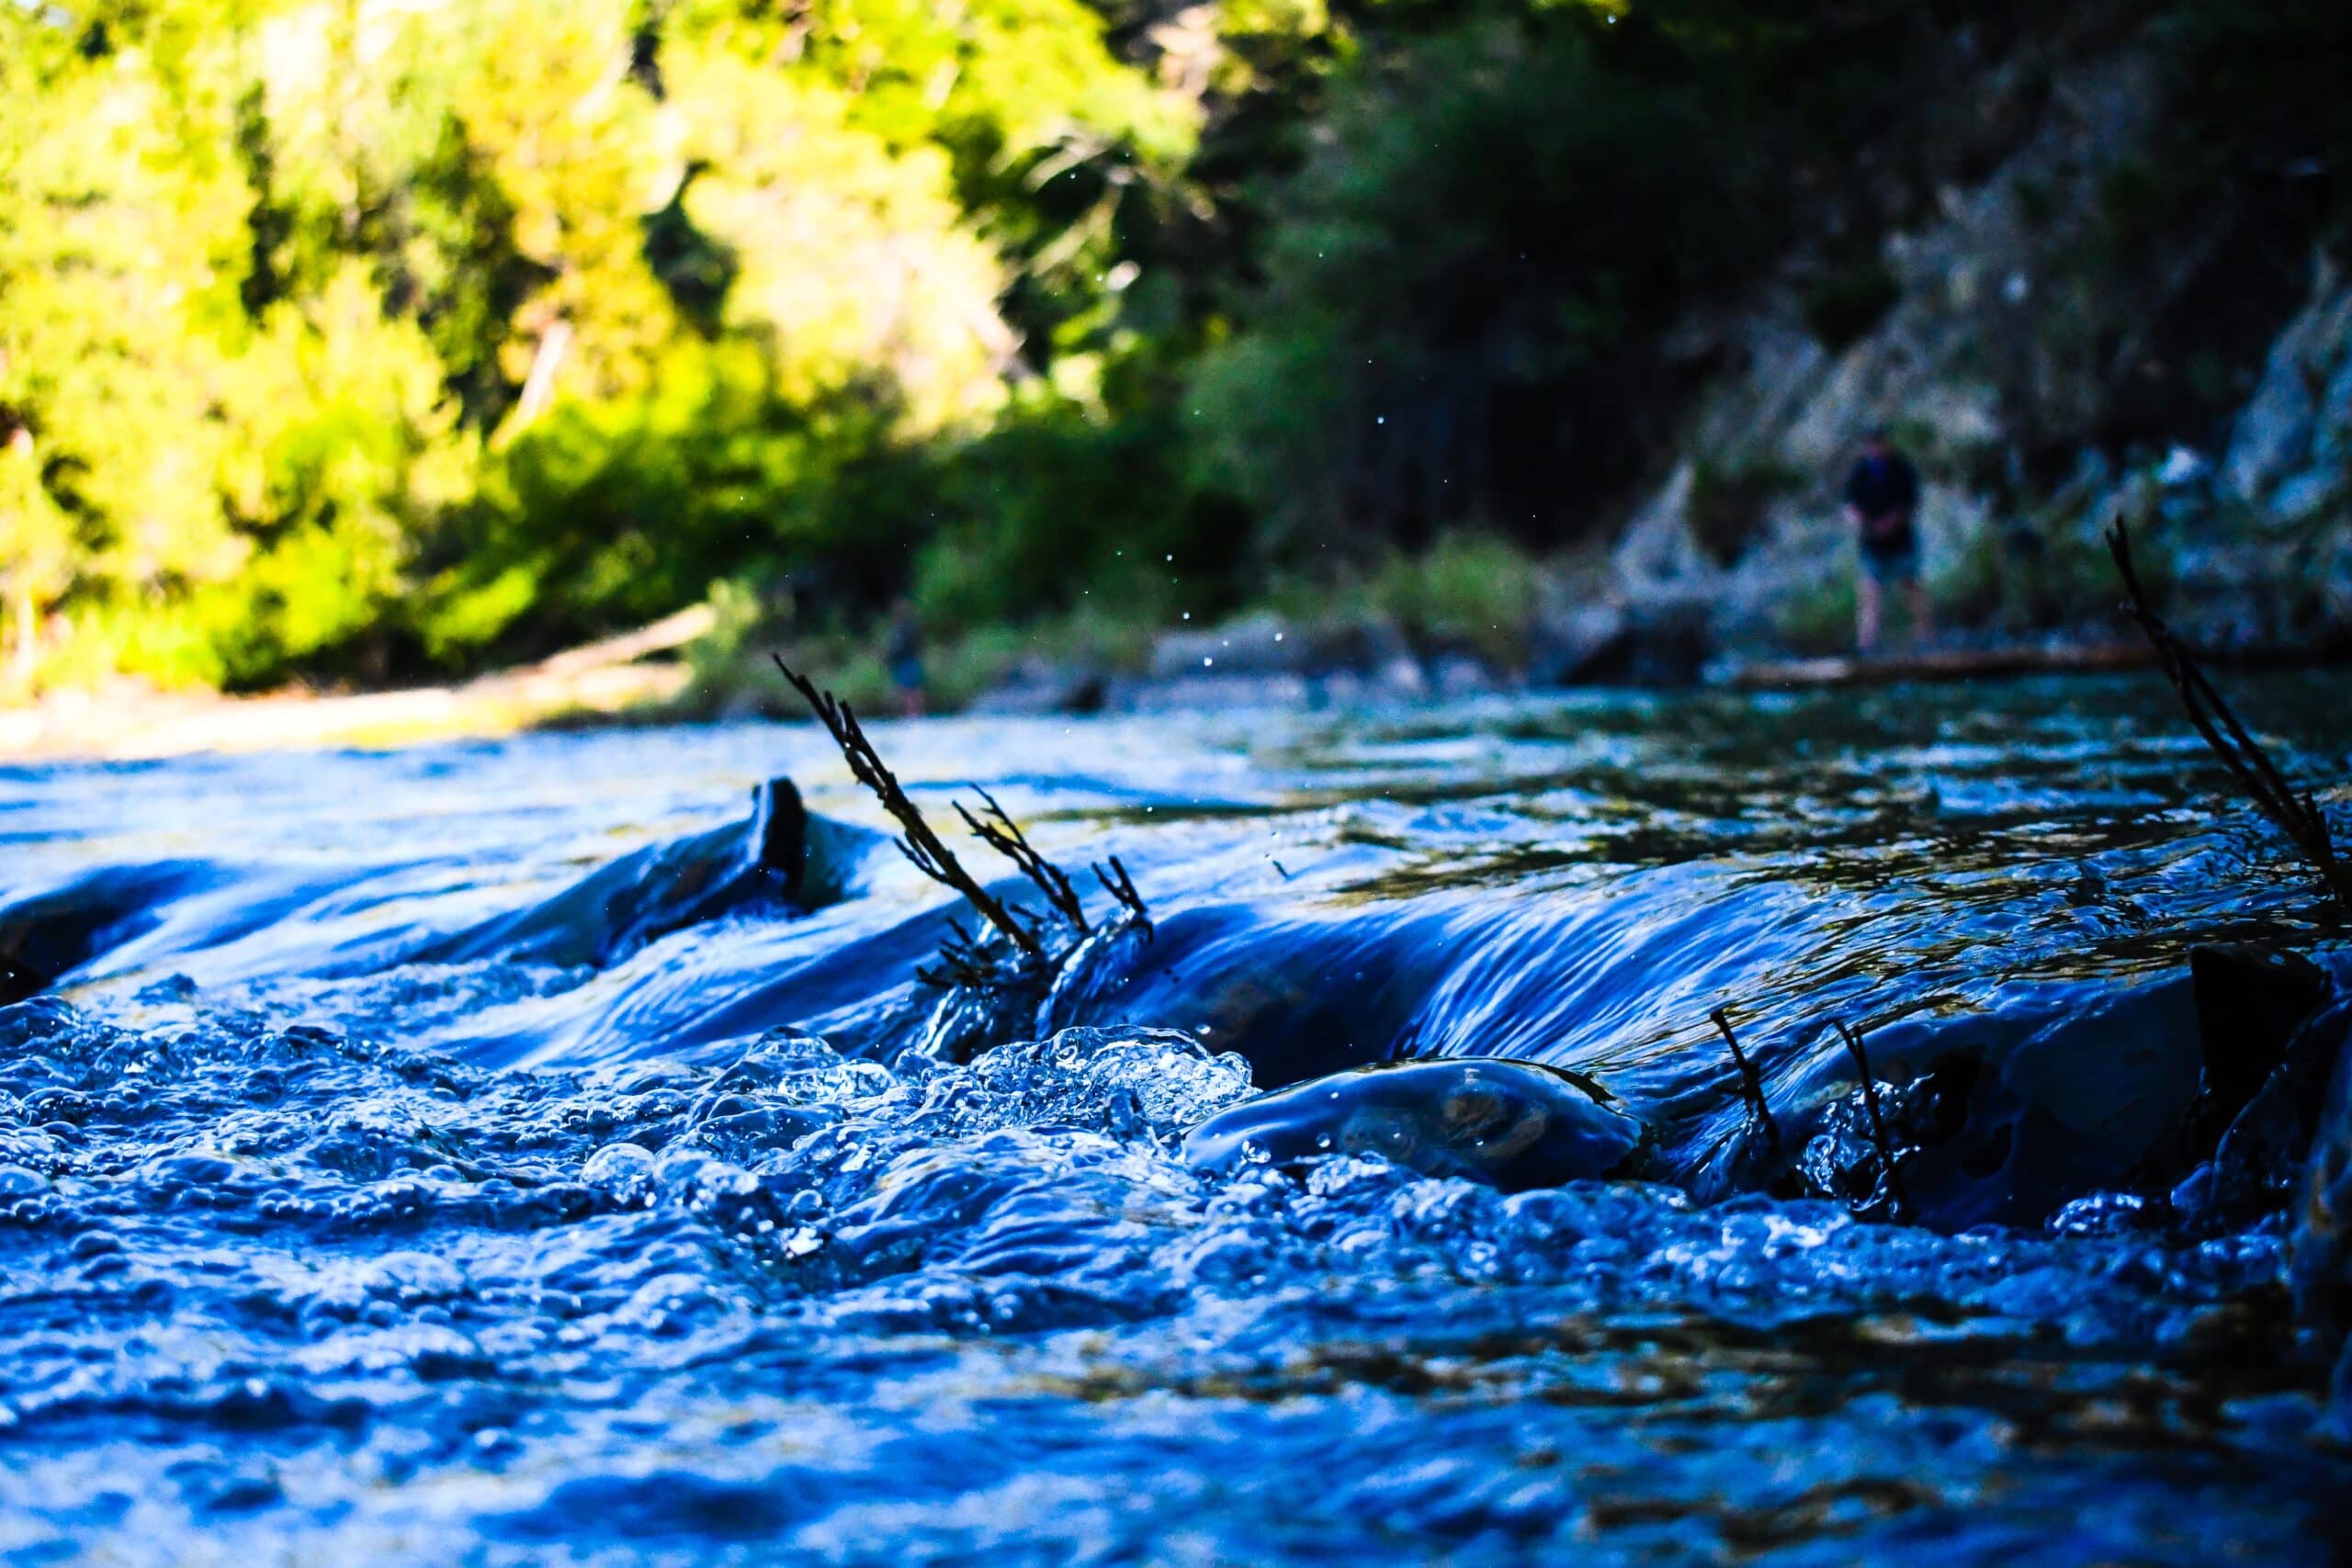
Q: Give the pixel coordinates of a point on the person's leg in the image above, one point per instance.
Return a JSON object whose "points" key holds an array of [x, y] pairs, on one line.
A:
{"points": [[1865, 609], [1923, 614]]}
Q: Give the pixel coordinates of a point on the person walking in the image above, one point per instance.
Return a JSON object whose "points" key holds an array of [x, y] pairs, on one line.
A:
{"points": [[1881, 501], [902, 653]]}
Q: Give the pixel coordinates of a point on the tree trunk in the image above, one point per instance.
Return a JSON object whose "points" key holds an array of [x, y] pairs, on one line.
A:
{"points": [[538, 386], [27, 626]]}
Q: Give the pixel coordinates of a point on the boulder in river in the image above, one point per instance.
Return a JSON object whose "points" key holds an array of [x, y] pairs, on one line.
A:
{"points": [[2320, 1226], [780, 854], [1512, 1125], [48, 936], [2006, 1116]]}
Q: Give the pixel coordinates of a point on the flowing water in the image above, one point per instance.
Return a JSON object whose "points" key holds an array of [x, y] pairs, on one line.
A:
{"points": [[322, 1245]]}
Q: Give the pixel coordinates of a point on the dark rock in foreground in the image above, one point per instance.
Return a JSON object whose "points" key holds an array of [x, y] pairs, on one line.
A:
{"points": [[782, 855]]}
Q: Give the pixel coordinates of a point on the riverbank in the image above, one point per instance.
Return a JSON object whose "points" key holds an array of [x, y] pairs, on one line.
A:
{"points": [[655, 675], [1530, 628], [615, 678]]}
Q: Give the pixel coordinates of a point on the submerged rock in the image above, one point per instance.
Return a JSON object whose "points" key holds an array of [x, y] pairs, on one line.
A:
{"points": [[2320, 1224], [969, 1018], [2259, 1142], [1512, 1125], [1103, 963], [782, 854], [48, 936], [1300, 999], [2250, 1001], [2006, 1117]]}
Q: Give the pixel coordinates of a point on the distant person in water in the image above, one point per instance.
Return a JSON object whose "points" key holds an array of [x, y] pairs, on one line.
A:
{"points": [[1882, 498], [902, 651]]}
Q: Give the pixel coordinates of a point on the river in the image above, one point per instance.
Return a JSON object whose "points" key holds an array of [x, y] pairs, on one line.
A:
{"points": [[325, 1246]]}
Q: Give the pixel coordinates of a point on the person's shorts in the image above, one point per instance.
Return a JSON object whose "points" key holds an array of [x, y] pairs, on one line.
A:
{"points": [[1898, 562]]}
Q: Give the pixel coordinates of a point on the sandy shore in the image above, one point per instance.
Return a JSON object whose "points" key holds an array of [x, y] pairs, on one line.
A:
{"points": [[600, 680]]}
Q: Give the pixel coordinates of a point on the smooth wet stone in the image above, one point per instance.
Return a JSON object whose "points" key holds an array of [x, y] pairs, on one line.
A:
{"points": [[2008, 1115], [1028, 1001], [1512, 1125], [967, 1021], [48, 936], [782, 854], [2259, 1157], [1098, 967], [1300, 999]]}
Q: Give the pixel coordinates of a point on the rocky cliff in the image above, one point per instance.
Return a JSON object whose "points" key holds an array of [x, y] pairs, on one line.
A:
{"points": [[2052, 362]]}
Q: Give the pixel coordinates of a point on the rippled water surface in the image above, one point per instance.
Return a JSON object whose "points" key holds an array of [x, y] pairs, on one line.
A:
{"points": [[322, 1245]]}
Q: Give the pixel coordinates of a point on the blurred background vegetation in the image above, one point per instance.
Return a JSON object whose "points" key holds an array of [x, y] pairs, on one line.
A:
{"points": [[374, 340]]}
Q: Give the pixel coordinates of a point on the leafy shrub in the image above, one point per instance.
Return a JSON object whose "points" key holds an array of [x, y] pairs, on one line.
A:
{"points": [[1469, 591], [1054, 509], [1820, 623], [605, 514], [1495, 212]]}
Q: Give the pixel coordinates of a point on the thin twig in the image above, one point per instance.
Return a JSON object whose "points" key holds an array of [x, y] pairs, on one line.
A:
{"points": [[960, 960], [1751, 1083], [2298, 816], [1120, 886], [920, 844], [1002, 834], [1899, 1206]]}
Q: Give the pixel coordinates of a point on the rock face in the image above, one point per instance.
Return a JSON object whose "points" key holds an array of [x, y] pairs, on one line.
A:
{"points": [[2018, 377], [2276, 564], [2287, 446]]}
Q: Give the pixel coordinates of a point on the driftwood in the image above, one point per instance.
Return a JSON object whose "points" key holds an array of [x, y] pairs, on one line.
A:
{"points": [[964, 958], [1936, 664], [918, 842], [1751, 1084], [1003, 835], [1121, 886], [2296, 816]]}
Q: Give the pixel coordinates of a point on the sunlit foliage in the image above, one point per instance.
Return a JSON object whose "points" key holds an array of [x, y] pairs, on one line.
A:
{"points": [[342, 334], [355, 339]]}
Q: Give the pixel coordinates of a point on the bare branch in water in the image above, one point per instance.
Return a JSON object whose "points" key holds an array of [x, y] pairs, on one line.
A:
{"points": [[2296, 816], [1751, 1083], [920, 844], [961, 963], [1120, 886], [1900, 1206], [1003, 835]]}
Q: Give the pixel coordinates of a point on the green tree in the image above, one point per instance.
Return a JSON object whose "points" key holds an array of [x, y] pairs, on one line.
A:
{"points": [[1468, 258]]}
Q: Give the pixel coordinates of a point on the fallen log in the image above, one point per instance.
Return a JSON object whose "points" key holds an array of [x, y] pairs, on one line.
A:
{"points": [[1937, 664]]}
